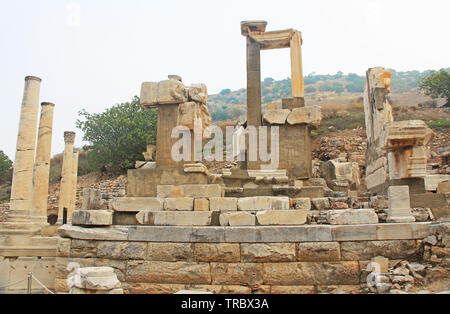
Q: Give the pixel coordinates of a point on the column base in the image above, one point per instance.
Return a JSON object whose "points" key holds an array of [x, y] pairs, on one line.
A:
{"points": [[400, 215], [400, 219]]}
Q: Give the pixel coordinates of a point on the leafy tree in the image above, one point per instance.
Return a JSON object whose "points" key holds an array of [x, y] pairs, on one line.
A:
{"points": [[310, 89], [338, 87], [355, 87], [338, 75], [5, 163], [225, 92], [118, 136], [436, 85], [325, 88], [219, 115], [268, 81], [275, 89], [352, 77]]}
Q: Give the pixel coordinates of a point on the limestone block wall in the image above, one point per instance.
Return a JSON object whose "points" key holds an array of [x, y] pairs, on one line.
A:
{"points": [[244, 260]]}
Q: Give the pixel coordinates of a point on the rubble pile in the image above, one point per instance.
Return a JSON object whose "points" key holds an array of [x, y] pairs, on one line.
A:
{"points": [[424, 273]]}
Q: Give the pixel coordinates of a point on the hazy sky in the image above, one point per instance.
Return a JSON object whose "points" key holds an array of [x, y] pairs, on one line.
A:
{"points": [[93, 54]]}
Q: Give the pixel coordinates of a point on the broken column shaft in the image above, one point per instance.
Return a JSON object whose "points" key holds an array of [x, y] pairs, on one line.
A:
{"points": [[65, 194], [73, 199]]}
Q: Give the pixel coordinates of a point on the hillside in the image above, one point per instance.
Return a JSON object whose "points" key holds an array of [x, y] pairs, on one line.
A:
{"points": [[319, 90]]}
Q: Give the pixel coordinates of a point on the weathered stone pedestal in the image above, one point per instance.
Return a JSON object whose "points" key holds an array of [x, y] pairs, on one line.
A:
{"points": [[399, 205]]}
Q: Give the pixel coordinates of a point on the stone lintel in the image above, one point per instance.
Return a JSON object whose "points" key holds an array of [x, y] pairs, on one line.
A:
{"points": [[274, 39]]}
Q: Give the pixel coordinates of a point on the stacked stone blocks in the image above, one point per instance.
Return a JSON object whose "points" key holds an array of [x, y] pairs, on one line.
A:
{"points": [[329, 261]]}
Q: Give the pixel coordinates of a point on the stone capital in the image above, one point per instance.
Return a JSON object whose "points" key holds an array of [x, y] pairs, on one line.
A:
{"points": [[35, 78], [252, 26], [69, 137], [175, 77], [47, 104]]}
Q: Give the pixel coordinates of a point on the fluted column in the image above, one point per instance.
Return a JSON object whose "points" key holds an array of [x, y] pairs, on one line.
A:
{"points": [[22, 180], [42, 164], [65, 193], [74, 181]]}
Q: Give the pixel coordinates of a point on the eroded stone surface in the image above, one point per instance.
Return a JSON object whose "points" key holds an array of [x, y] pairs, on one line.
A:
{"points": [[179, 203], [353, 217], [223, 203], [263, 203], [318, 251], [92, 218], [282, 217], [176, 273], [237, 219], [311, 273], [276, 116], [305, 115], [164, 92], [268, 252], [135, 204], [217, 252]]}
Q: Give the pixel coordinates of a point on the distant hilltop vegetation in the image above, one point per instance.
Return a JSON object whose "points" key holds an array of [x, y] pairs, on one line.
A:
{"points": [[319, 89]]}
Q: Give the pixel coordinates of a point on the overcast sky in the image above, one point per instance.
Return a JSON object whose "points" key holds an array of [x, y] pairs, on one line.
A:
{"points": [[92, 54]]}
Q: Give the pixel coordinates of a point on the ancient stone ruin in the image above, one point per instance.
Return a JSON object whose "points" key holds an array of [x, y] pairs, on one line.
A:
{"points": [[250, 228]]}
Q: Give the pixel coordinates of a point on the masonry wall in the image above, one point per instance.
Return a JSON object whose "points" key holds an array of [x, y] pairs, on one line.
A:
{"points": [[241, 267]]}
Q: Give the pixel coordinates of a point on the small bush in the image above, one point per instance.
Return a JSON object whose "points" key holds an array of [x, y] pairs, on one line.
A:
{"points": [[439, 124]]}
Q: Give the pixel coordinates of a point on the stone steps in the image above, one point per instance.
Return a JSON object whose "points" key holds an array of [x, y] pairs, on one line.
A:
{"points": [[17, 226], [278, 217], [15, 217], [13, 238], [136, 204], [252, 234], [39, 241], [20, 232], [31, 251]]}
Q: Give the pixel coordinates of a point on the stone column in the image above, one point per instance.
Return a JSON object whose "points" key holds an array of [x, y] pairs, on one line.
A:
{"points": [[253, 83], [167, 120], [42, 164], [22, 181], [253, 95], [65, 194], [74, 181], [298, 89]]}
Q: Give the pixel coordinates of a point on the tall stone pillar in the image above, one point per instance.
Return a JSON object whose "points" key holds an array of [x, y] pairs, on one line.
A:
{"points": [[74, 181], [65, 194], [167, 120], [298, 85], [42, 164], [253, 83], [22, 181]]}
